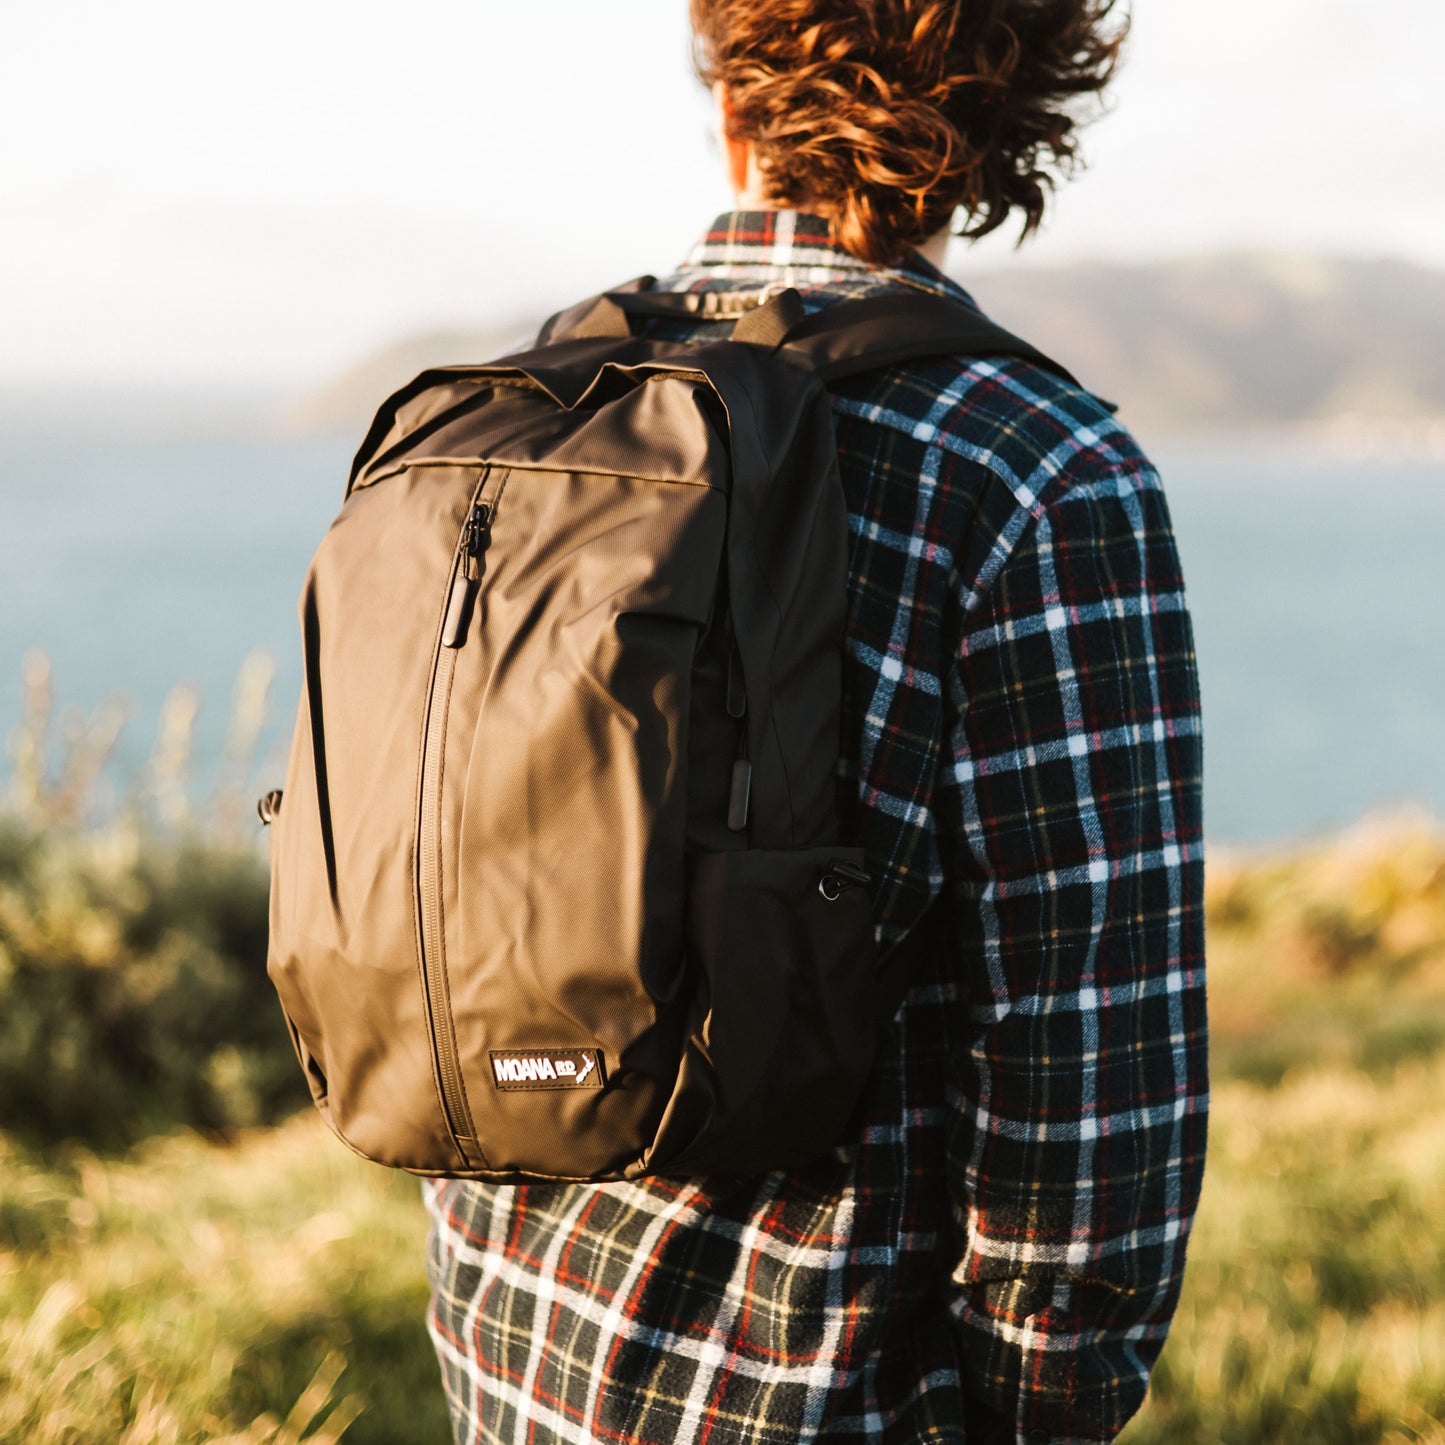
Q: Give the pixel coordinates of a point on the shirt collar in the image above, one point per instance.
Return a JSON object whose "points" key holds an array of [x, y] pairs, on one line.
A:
{"points": [[798, 249]]}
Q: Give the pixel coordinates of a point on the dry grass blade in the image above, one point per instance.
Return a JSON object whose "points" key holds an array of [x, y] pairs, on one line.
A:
{"points": [[304, 1426]]}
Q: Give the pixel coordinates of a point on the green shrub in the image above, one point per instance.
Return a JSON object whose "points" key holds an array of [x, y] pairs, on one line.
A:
{"points": [[133, 991]]}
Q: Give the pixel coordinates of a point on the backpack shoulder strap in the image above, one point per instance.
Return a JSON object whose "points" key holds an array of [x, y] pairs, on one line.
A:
{"points": [[851, 337]]}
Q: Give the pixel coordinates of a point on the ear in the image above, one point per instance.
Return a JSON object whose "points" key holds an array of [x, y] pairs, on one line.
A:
{"points": [[737, 154]]}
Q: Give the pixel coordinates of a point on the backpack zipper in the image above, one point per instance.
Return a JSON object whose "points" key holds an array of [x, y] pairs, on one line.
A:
{"points": [[468, 573], [462, 588]]}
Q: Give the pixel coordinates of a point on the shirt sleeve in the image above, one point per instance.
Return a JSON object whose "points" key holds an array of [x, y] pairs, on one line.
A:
{"points": [[1072, 838]]}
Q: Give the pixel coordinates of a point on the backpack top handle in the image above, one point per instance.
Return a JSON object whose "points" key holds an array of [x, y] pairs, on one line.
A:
{"points": [[842, 339], [763, 319]]}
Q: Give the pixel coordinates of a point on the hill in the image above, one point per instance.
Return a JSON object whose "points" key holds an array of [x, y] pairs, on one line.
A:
{"points": [[1350, 350]]}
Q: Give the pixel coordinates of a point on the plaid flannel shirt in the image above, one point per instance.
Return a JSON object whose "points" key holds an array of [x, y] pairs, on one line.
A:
{"points": [[999, 1254]]}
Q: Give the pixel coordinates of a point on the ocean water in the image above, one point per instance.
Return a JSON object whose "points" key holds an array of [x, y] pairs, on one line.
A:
{"points": [[1317, 587]]}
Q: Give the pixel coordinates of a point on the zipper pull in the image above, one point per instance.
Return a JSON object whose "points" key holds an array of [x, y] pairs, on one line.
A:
{"points": [[740, 795], [475, 536]]}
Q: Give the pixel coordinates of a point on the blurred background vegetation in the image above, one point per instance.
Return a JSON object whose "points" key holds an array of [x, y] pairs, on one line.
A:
{"points": [[185, 1255]]}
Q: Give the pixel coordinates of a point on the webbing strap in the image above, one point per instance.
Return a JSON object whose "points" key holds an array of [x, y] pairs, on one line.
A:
{"points": [[843, 339]]}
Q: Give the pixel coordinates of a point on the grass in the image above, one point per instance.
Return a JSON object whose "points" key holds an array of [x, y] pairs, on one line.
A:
{"points": [[268, 1287], [1314, 1304], [196, 1291]]}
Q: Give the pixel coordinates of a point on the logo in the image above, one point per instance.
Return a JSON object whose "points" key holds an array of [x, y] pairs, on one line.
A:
{"points": [[547, 1068]]}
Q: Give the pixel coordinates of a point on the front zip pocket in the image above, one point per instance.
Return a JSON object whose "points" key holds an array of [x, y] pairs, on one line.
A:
{"points": [[463, 586]]}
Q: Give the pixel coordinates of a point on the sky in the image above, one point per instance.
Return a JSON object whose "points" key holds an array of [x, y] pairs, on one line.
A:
{"points": [[263, 194]]}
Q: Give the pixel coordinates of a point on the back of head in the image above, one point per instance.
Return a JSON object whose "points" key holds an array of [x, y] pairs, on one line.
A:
{"points": [[889, 116]]}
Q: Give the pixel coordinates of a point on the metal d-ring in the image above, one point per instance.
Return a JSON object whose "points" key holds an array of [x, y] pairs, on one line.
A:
{"points": [[840, 877]]}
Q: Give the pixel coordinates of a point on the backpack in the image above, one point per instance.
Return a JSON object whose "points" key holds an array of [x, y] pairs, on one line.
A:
{"points": [[557, 886]]}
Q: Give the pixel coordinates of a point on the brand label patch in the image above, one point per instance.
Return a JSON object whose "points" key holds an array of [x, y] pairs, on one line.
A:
{"points": [[547, 1068]]}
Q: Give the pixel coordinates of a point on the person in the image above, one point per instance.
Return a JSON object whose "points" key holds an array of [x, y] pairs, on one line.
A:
{"points": [[997, 1254]]}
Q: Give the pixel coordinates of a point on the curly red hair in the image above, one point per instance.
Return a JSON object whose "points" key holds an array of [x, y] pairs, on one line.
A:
{"points": [[889, 116]]}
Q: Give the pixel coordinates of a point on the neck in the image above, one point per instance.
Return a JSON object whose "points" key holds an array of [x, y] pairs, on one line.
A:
{"points": [[934, 250]]}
